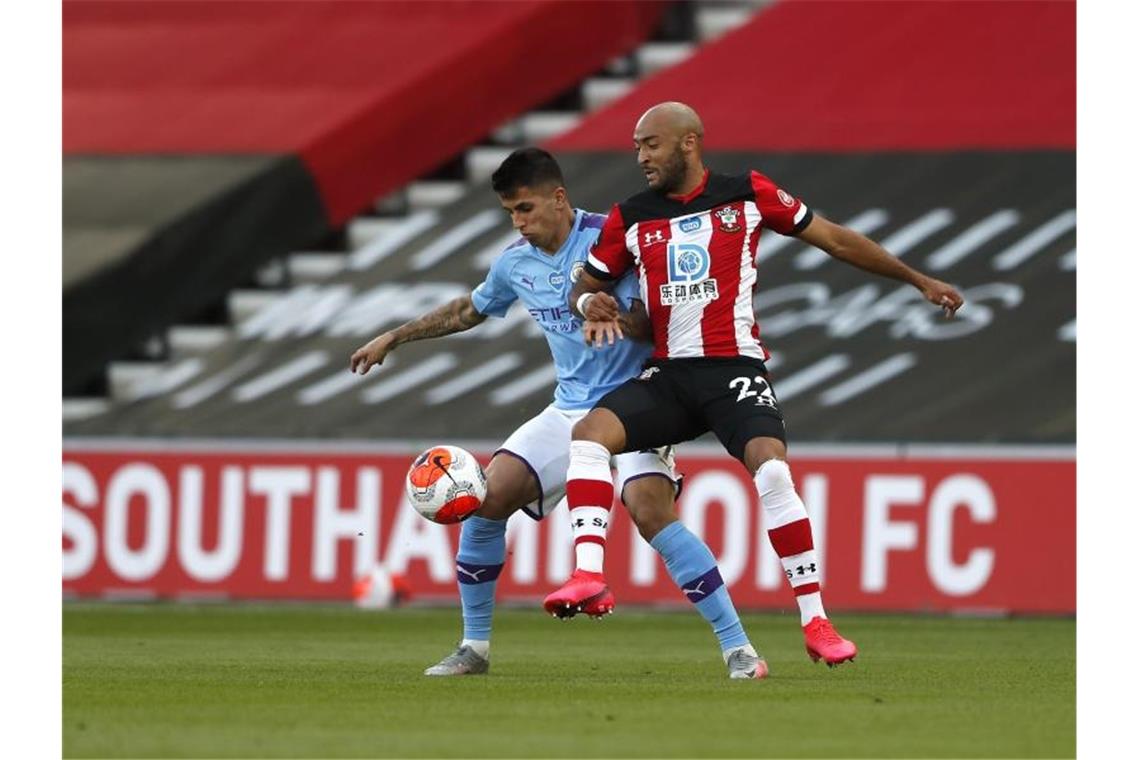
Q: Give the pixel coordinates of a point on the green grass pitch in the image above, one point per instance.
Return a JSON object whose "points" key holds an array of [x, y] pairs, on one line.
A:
{"points": [[326, 681]]}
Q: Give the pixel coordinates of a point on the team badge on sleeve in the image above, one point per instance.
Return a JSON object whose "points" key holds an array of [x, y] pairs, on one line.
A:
{"points": [[786, 199]]}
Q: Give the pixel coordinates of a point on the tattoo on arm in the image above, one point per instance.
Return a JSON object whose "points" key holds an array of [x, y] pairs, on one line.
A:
{"points": [[454, 316]]}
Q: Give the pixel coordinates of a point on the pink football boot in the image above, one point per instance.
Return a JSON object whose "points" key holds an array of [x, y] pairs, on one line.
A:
{"points": [[584, 592], [823, 642]]}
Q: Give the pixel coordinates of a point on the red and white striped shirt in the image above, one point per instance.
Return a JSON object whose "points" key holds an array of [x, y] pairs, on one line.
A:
{"points": [[695, 258]]}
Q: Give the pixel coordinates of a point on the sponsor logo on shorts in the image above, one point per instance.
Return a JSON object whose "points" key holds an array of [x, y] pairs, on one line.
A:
{"points": [[648, 372]]}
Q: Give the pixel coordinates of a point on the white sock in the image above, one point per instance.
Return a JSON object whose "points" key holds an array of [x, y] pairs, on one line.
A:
{"points": [[589, 495], [811, 606], [480, 647]]}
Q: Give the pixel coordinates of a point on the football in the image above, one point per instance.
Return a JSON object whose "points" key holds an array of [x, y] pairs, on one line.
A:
{"points": [[445, 484]]}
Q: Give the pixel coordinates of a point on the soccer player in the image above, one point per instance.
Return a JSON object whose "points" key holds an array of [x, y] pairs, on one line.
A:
{"points": [[692, 238], [529, 471]]}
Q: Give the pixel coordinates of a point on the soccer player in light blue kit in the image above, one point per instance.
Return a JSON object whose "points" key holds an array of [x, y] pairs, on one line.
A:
{"points": [[529, 471]]}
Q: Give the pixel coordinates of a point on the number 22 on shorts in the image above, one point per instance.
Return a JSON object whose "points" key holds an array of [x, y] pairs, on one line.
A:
{"points": [[763, 393]]}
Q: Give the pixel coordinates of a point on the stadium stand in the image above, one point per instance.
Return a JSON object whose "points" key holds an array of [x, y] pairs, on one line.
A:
{"points": [[947, 196], [203, 139]]}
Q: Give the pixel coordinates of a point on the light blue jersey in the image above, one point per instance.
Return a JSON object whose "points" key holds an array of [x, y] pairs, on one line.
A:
{"points": [[543, 282]]}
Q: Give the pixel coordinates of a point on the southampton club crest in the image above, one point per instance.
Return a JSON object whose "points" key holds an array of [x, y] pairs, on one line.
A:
{"points": [[729, 219]]}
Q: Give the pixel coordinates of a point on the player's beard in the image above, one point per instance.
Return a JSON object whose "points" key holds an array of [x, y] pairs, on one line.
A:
{"points": [[673, 171]]}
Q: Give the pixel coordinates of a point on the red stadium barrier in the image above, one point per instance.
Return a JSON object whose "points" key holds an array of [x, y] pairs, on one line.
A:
{"points": [[370, 95], [834, 75], [987, 529]]}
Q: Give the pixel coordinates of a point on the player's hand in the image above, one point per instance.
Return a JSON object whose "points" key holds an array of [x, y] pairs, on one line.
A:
{"points": [[372, 352], [601, 307], [598, 333], [941, 294]]}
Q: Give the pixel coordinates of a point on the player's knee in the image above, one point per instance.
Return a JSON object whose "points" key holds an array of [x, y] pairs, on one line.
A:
{"points": [[763, 449], [496, 506], [774, 478], [600, 426], [650, 503], [509, 488], [586, 429]]}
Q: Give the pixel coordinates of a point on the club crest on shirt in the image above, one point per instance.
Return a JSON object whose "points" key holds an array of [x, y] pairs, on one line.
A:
{"points": [[729, 219]]}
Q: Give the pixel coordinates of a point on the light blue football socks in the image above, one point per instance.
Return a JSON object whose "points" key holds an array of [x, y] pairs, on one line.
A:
{"points": [[482, 551], [694, 570]]}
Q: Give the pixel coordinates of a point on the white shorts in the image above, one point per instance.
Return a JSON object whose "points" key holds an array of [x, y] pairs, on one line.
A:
{"points": [[543, 445]]}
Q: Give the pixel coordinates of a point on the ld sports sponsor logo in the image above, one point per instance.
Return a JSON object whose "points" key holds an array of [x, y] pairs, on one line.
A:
{"points": [[688, 269]]}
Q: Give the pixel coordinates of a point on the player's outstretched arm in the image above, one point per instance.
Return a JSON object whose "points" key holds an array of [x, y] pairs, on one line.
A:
{"points": [[858, 250], [454, 316]]}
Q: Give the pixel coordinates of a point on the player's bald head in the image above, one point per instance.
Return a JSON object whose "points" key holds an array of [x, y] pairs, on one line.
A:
{"points": [[668, 139], [672, 119]]}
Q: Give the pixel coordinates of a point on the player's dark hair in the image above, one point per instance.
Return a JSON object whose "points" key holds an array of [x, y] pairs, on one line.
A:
{"points": [[526, 167]]}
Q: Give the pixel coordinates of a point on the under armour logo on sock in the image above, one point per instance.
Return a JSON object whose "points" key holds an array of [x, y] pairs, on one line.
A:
{"points": [[695, 590]]}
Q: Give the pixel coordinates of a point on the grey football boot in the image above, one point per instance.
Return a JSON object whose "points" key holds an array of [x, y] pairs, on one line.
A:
{"points": [[464, 661], [744, 662]]}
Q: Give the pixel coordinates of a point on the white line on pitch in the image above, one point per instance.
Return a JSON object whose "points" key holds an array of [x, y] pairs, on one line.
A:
{"points": [[809, 376], [868, 379], [456, 238], [524, 386], [973, 238], [1035, 241], [472, 379], [409, 378]]}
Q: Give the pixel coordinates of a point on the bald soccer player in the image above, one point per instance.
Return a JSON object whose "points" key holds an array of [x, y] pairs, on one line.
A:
{"points": [[692, 240]]}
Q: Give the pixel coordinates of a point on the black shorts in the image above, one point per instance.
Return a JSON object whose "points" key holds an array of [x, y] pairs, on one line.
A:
{"points": [[675, 400]]}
